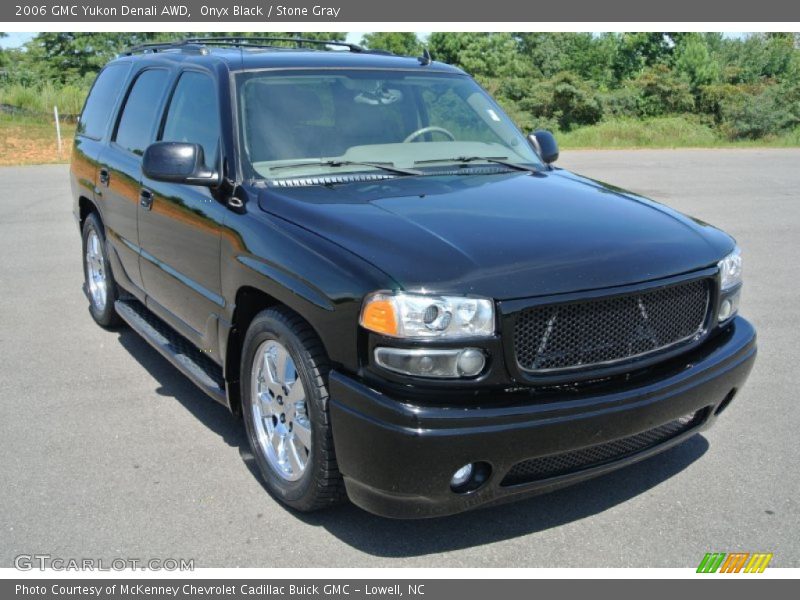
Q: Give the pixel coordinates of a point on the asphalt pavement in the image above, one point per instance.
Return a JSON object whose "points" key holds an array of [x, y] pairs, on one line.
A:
{"points": [[108, 452]]}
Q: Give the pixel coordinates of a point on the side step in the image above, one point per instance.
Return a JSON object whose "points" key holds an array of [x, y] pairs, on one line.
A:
{"points": [[204, 372]]}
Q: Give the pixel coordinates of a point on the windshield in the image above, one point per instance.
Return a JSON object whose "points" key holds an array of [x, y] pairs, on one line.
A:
{"points": [[333, 119]]}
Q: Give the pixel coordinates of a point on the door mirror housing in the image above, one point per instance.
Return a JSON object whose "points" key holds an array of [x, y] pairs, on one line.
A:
{"points": [[545, 145], [178, 162]]}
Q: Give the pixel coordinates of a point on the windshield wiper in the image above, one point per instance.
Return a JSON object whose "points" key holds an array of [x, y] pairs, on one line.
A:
{"points": [[347, 163], [498, 160]]}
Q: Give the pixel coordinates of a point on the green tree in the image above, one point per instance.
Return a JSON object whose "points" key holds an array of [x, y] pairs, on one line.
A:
{"points": [[635, 51], [3, 56], [398, 42], [585, 54], [565, 99], [482, 55], [70, 56], [661, 92], [760, 56], [694, 61]]}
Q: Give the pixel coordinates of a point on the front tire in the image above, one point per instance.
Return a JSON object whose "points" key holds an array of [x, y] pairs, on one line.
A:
{"points": [[285, 407], [101, 289]]}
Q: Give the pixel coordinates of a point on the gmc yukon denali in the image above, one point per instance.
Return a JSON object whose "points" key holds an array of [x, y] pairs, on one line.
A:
{"points": [[405, 300]]}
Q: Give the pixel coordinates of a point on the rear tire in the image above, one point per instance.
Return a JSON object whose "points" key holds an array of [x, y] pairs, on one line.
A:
{"points": [[101, 289], [285, 407]]}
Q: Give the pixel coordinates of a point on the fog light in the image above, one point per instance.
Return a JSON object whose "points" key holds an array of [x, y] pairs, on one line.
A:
{"points": [[470, 362], [729, 307], [432, 362], [725, 310], [462, 476]]}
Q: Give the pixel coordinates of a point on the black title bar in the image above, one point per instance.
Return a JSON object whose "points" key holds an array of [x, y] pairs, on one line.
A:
{"points": [[451, 11]]}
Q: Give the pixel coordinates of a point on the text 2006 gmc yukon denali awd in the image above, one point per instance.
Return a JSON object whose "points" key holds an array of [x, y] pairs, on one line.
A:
{"points": [[404, 299]]}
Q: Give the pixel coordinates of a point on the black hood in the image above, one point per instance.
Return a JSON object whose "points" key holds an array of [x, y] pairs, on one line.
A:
{"points": [[508, 235]]}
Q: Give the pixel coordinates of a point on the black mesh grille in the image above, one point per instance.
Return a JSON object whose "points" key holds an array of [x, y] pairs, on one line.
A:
{"points": [[544, 467], [591, 332]]}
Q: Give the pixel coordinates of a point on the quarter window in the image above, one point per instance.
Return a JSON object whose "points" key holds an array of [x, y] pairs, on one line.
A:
{"points": [[101, 101]]}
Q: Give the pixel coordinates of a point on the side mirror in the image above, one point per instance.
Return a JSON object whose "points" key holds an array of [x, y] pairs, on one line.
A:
{"points": [[178, 162], [545, 145]]}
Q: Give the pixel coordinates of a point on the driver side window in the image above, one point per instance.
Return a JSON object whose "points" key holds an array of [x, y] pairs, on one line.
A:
{"points": [[193, 115]]}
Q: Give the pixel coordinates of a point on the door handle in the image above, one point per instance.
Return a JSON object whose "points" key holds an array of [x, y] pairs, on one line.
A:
{"points": [[146, 199], [105, 176]]}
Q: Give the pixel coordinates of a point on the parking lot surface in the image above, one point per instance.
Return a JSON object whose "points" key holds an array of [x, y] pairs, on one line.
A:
{"points": [[109, 452]]}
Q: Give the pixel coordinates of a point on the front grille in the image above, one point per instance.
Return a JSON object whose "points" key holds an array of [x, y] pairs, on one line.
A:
{"points": [[544, 467], [607, 330]]}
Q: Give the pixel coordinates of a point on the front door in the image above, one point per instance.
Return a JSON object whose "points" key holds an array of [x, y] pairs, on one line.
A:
{"points": [[180, 225]]}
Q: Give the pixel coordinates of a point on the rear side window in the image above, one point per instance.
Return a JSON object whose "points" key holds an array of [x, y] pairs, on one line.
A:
{"points": [[193, 114], [138, 120], [101, 100]]}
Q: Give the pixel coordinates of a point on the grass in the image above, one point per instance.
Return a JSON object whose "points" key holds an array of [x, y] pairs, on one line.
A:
{"points": [[41, 99], [31, 141], [663, 132]]}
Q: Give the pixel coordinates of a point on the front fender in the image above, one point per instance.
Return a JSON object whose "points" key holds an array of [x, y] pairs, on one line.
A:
{"points": [[319, 280]]}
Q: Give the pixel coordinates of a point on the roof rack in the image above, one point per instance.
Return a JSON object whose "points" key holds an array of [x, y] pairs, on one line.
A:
{"points": [[153, 47], [268, 42], [198, 45]]}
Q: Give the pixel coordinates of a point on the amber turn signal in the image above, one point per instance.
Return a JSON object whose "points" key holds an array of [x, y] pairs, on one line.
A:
{"points": [[378, 315]]}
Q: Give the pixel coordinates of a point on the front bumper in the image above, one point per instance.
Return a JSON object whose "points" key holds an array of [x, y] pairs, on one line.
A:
{"points": [[397, 456]]}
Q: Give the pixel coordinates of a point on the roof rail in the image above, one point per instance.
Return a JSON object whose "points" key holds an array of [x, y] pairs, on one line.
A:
{"points": [[269, 42], [199, 45], [153, 47]]}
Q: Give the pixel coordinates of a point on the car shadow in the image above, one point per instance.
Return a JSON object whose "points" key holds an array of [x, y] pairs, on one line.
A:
{"points": [[394, 539], [389, 538], [173, 384]]}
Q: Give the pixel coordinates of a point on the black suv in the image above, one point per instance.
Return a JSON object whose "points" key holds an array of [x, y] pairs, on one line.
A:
{"points": [[406, 301]]}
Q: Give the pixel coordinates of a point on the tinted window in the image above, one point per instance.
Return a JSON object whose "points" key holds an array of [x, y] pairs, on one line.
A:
{"points": [[101, 100], [291, 121], [138, 120], [193, 115]]}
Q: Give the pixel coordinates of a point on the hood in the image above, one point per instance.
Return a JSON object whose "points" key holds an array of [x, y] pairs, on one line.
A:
{"points": [[505, 236]]}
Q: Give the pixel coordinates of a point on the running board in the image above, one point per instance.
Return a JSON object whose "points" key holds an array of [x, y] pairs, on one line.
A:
{"points": [[197, 366]]}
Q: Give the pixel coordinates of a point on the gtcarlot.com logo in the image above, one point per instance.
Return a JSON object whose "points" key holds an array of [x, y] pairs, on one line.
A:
{"points": [[734, 562], [42, 562]]}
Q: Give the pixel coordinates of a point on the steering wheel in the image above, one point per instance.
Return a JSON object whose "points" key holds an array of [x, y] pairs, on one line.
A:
{"points": [[430, 129]]}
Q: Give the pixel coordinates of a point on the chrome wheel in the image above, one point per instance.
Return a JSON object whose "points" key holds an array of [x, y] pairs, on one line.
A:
{"points": [[96, 271], [280, 415]]}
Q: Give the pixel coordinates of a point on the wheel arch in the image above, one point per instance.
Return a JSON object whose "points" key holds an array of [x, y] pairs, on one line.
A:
{"points": [[250, 301], [86, 207]]}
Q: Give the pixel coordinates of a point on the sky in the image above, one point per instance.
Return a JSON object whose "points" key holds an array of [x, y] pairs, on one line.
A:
{"points": [[15, 39]]}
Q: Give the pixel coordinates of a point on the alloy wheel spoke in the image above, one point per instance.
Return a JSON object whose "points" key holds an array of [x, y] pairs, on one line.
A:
{"points": [[276, 440], [265, 402], [293, 455], [296, 391], [280, 367], [302, 432]]}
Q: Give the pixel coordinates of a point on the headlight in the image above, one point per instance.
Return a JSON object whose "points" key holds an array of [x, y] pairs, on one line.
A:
{"points": [[730, 270], [419, 316], [730, 282]]}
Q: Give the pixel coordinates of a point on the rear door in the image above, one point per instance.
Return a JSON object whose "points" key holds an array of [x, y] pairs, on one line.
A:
{"points": [[92, 131], [180, 225], [119, 177]]}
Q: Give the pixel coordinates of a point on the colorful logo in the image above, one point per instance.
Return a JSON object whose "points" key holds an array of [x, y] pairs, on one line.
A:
{"points": [[735, 562]]}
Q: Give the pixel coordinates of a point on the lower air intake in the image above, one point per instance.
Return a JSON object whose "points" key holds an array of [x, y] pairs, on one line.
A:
{"points": [[544, 467]]}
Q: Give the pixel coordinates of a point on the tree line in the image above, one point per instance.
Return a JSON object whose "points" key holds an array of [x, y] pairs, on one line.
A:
{"points": [[744, 87]]}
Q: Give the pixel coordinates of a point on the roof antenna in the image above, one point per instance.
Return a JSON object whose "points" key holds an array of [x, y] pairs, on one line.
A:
{"points": [[425, 59]]}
